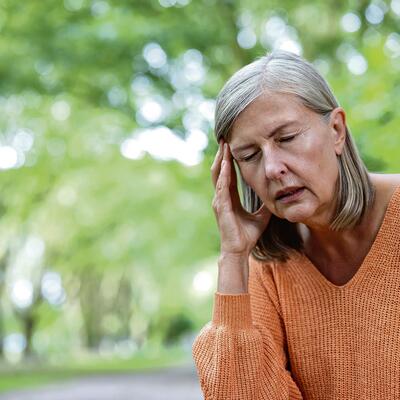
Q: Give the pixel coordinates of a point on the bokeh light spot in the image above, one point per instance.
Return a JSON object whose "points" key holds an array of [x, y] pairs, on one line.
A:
{"points": [[351, 22], [8, 157]]}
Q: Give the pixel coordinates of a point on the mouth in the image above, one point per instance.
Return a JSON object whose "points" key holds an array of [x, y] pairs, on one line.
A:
{"points": [[291, 196]]}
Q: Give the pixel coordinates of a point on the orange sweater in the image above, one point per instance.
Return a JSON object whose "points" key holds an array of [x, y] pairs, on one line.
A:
{"points": [[296, 335]]}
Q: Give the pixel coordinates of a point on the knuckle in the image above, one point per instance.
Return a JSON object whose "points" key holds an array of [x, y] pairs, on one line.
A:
{"points": [[215, 207], [215, 202], [221, 184]]}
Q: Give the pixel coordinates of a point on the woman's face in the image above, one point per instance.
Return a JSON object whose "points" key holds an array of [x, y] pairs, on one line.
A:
{"points": [[301, 152]]}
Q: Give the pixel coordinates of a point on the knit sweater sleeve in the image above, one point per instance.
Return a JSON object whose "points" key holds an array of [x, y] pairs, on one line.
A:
{"points": [[240, 354]]}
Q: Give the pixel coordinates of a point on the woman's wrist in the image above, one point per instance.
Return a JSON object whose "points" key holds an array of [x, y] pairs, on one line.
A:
{"points": [[233, 272]]}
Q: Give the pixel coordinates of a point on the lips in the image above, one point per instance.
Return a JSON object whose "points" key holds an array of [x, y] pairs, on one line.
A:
{"points": [[288, 192]]}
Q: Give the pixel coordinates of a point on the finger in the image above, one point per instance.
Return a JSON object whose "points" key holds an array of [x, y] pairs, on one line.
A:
{"points": [[225, 171], [224, 177], [230, 159], [216, 166], [222, 197], [234, 189]]}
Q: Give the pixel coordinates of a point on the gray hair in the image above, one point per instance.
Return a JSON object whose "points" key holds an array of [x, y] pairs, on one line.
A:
{"points": [[285, 72]]}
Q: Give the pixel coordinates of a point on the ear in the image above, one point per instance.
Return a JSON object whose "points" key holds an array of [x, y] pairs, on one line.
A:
{"points": [[337, 125]]}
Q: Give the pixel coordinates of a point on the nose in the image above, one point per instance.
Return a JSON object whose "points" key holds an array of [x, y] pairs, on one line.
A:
{"points": [[274, 165]]}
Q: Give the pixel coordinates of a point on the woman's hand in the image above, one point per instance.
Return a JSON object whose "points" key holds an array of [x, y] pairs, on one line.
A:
{"points": [[239, 229]]}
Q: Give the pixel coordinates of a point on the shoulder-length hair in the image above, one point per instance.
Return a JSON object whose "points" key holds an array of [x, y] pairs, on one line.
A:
{"points": [[285, 72]]}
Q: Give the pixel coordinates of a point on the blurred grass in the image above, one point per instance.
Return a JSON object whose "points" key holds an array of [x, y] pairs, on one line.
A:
{"points": [[31, 374]]}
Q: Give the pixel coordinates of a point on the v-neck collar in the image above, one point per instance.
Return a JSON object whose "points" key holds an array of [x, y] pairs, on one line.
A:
{"points": [[381, 241]]}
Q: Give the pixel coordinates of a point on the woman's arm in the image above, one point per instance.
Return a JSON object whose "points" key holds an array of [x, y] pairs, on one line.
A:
{"points": [[240, 353]]}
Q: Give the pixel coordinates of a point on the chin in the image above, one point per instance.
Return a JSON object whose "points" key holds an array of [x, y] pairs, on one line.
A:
{"points": [[294, 219], [297, 215]]}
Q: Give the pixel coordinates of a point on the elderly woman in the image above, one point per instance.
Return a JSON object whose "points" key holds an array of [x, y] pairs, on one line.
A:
{"points": [[308, 297]]}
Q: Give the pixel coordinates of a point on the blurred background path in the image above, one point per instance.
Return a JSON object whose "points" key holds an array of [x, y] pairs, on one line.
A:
{"points": [[171, 384]]}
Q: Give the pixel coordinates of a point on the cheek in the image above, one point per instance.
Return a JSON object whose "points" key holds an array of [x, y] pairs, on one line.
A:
{"points": [[251, 180], [247, 175], [314, 157]]}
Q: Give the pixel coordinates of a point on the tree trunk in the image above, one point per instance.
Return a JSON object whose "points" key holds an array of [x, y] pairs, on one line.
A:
{"points": [[29, 323]]}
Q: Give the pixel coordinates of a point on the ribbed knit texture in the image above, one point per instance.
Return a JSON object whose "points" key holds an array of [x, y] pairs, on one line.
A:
{"points": [[296, 335]]}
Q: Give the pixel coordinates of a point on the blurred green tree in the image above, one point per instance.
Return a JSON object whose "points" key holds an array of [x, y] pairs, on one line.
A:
{"points": [[106, 139]]}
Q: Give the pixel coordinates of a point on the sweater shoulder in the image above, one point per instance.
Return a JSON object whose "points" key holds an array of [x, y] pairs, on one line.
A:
{"points": [[272, 269], [268, 274], [261, 269]]}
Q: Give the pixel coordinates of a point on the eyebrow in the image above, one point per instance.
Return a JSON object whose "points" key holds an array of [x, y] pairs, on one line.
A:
{"points": [[271, 134]]}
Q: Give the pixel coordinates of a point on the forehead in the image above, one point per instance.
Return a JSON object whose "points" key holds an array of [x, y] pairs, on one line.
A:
{"points": [[267, 112]]}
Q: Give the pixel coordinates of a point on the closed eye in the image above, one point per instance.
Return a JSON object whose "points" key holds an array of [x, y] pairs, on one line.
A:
{"points": [[282, 139], [248, 158], [287, 138]]}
